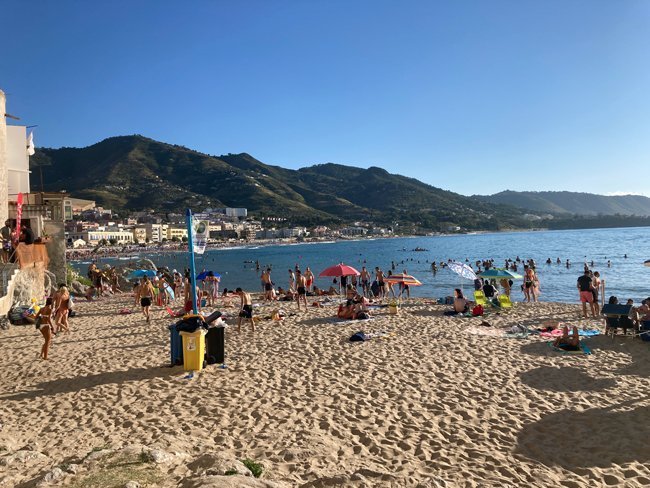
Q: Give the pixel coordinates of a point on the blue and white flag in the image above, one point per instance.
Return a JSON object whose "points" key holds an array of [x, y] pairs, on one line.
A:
{"points": [[200, 232]]}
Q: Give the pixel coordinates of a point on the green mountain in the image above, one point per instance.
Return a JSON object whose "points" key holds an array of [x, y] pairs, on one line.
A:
{"points": [[566, 202], [130, 173]]}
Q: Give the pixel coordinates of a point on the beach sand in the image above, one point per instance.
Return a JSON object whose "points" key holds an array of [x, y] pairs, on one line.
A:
{"points": [[441, 401]]}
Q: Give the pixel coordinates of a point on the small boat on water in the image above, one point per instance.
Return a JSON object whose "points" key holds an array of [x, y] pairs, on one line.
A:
{"points": [[420, 249]]}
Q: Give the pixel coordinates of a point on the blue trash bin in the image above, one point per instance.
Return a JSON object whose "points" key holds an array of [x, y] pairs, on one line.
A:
{"points": [[176, 346]]}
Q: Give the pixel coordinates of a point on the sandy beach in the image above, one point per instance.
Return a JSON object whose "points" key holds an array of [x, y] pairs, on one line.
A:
{"points": [[439, 401]]}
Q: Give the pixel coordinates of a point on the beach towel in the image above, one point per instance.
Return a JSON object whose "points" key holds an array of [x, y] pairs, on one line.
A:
{"points": [[338, 320], [581, 333], [125, 311], [583, 349], [174, 314]]}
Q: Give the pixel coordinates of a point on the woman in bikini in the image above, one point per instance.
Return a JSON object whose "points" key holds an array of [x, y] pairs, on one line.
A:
{"points": [[44, 324], [61, 302]]}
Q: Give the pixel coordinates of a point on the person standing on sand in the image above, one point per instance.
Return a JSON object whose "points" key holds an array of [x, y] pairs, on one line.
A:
{"points": [[365, 282], [246, 309], [145, 296], [309, 279], [585, 287], [379, 276], [595, 281], [268, 284], [292, 280], [44, 324], [61, 301], [301, 286]]}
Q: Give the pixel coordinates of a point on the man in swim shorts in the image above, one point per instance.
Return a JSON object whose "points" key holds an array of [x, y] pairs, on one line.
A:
{"points": [[309, 279], [365, 281], [301, 286], [246, 310], [585, 287], [268, 284]]}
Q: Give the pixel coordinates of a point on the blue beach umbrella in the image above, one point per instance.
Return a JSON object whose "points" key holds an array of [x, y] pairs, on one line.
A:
{"points": [[204, 274], [141, 273], [500, 273]]}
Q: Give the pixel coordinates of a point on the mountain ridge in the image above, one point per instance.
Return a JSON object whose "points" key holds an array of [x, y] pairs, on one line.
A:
{"points": [[133, 172], [572, 203]]}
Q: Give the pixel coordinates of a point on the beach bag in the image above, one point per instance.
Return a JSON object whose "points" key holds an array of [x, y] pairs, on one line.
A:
{"points": [[449, 300], [362, 316], [477, 311], [359, 337], [17, 316]]}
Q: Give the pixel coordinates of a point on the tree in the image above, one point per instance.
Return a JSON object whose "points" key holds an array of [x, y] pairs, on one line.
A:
{"points": [[175, 239], [184, 238], [112, 241], [103, 242]]}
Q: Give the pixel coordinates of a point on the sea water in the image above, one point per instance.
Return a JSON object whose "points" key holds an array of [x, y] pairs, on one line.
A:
{"points": [[625, 277]]}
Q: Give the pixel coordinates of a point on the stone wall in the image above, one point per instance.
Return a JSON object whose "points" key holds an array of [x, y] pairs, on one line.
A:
{"points": [[56, 249]]}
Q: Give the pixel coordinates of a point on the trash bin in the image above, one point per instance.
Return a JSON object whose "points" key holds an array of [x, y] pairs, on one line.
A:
{"points": [[193, 349], [393, 308], [176, 346], [645, 330], [215, 344]]}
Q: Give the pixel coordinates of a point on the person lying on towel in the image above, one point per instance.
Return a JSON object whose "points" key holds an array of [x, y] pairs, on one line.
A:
{"points": [[566, 341]]}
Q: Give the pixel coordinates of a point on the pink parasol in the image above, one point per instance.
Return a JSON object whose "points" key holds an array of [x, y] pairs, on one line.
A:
{"points": [[339, 270]]}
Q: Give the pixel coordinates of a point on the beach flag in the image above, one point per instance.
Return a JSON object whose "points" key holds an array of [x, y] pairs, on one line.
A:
{"points": [[30, 144], [200, 232]]}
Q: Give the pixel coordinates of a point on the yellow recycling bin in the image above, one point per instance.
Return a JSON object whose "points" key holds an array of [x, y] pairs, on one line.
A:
{"points": [[193, 350]]}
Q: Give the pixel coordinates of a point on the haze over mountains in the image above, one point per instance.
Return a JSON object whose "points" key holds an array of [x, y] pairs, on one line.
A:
{"points": [[129, 173]]}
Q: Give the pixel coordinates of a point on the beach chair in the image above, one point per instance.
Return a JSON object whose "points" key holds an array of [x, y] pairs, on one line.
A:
{"points": [[480, 299], [617, 317], [505, 302]]}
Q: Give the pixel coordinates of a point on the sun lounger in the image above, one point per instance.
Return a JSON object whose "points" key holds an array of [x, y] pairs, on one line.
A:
{"points": [[504, 301], [480, 299]]}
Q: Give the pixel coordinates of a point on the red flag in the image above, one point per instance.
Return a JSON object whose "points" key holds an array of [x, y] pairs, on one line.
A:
{"points": [[19, 216]]}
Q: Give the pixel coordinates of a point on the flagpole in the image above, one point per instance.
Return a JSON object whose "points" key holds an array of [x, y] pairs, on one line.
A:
{"points": [[190, 244]]}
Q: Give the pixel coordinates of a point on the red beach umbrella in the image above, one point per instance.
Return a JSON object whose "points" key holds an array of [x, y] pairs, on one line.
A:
{"points": [[339, 270]]}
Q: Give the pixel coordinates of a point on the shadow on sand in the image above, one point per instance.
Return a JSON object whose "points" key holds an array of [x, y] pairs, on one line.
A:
{"points": [[593, 438], [564, 379], [68, 385]]}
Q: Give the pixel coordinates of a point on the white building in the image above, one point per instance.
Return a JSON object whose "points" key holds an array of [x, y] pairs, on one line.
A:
{"points": [[17, 161], [94, 237], [156, 232], [236, 212]]}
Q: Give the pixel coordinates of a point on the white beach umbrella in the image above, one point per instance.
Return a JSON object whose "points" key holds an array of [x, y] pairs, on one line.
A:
{"points": [[462, 270]]}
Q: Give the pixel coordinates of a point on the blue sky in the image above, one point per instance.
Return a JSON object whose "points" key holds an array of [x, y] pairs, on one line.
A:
{"points": [[469, 96]]}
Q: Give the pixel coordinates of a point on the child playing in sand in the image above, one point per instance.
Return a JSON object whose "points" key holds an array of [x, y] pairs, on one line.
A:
{"points": [[246, 311], [44, 324]]}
